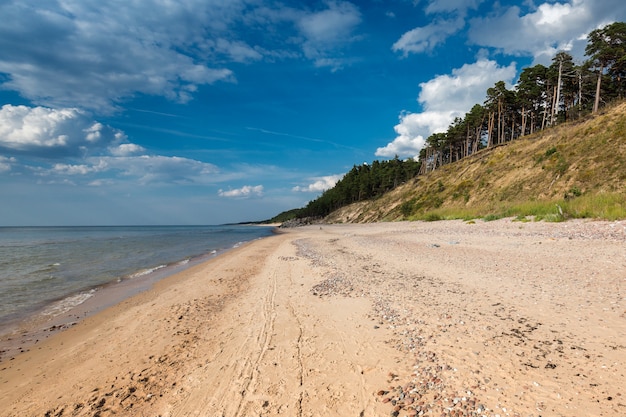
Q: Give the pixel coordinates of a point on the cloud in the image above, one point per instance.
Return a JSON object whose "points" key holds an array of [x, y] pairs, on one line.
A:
{"points": [[320, 184], [60, 143], [331, 25], [238, 51], [6, 163], [161, 169], [126, 149], [443, 98], [328, 30], [544, 30], [465, 87], [426, 38], [94, 54], [66, 146], [244, 192], [412, 132], [68, 169], [459, 6], [53, 132], [143, 169]]}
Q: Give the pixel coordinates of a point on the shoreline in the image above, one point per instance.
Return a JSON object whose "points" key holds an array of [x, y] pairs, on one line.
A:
{"points": [[19, 334], [497, 318]]}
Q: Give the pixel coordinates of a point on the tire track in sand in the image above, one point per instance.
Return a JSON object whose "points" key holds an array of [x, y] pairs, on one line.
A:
{"points": [[277, 376], [263, 339], [235, 345], [235, 381], [300, 372]]}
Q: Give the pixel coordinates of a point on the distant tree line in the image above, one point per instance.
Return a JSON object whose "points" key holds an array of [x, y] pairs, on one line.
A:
{"points": [[363, 182], [543, 97]]}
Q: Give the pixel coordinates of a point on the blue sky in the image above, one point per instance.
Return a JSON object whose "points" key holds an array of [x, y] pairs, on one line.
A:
{"points": [[211, 111]]}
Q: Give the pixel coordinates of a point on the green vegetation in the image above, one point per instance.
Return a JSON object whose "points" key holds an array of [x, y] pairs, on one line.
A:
{"points": [[601, 206], [364, 182], [284, 216]]}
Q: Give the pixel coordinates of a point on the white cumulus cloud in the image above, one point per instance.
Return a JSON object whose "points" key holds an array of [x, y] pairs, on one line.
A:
{"points": [[244, 192], [52, 132], [69, 169], [443, 98], [319, 184], [544, 30], [126, 149]]}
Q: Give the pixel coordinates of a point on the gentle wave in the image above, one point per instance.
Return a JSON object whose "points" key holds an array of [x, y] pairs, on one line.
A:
{"points": [[66, 304], [39, 265], [146, 271], [48, 268]]}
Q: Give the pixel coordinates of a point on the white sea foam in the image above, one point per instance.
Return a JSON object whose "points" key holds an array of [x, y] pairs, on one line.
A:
{"points": [[146, 271], [68, 303]]}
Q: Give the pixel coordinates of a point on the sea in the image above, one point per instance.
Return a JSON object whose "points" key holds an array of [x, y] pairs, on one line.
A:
{"points": [[50, 270]]}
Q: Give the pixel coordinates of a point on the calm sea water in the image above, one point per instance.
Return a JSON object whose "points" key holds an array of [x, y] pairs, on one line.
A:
{"points": [[43, 265]]}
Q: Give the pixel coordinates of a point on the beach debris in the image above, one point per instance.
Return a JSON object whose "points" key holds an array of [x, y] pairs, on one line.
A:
{"points": [[334, 285]]}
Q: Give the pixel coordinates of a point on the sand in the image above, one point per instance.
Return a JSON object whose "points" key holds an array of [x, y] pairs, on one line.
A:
{"points": [[446, 318]]}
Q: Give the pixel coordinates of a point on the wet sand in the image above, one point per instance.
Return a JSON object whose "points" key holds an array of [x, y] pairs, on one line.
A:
{"points": [[446, 318]]}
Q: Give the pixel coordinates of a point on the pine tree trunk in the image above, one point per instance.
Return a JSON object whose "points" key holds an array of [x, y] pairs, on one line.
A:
{"points": [[512, 128], [477, 139], [543, 121], [596, 104], [555, 109], [499, 121], [553, 106], [490, 126]]}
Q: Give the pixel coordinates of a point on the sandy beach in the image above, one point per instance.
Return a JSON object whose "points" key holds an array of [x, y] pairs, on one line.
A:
{"points": [[447, 318]]}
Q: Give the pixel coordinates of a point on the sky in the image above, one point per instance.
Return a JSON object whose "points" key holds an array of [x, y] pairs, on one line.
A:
{"points": [[150, 112]]}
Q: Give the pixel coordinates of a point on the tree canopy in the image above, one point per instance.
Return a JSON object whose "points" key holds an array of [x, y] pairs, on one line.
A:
{"points": [[362, 182]]}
